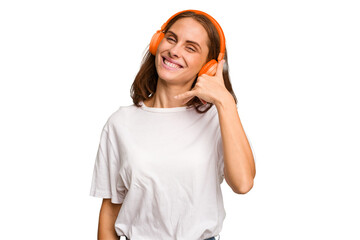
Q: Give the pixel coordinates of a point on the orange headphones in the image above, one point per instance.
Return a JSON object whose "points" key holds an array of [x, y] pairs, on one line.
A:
{"points": [[210, 67]]}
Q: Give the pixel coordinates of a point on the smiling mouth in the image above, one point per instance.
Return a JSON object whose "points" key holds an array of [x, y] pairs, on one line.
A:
{"points": [[170, 64]]}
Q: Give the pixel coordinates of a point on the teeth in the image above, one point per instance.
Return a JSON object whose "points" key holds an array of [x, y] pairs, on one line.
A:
{"points": [[171, 64]]}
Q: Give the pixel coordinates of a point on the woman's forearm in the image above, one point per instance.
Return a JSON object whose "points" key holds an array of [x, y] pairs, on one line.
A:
{"points": [[106, 230]]}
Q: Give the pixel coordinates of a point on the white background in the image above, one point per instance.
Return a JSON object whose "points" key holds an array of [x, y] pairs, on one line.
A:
{"points": [[65, 66]]}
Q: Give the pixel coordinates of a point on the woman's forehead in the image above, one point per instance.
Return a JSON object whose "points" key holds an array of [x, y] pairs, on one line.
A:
{"points": [[191, 30]]}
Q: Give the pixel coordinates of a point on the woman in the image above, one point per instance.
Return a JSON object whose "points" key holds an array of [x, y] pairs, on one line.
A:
{"points": [[162, 159]]}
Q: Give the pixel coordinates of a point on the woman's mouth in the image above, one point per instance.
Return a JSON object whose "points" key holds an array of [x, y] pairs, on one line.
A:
{"points": [[169, 65]]}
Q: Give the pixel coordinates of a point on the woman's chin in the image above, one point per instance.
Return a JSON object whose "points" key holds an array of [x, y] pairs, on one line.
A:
{"points": [[166, 76]]}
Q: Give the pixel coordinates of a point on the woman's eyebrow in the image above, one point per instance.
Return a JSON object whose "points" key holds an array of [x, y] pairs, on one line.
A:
{"points": [[188, 41]]}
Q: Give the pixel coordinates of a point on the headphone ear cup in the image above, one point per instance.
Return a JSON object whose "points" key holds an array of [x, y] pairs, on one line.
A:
{"points": [[209, 68], [155, 41]]}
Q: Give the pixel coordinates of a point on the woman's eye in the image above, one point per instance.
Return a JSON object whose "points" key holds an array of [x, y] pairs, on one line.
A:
{"points": [[191, 49], [170, 39]]}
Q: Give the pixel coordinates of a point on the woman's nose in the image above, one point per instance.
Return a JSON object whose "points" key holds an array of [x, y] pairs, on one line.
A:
{"points": [[175, 51]]}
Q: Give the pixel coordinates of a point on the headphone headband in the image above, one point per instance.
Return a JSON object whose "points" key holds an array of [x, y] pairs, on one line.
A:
{"points": [[216, 24]]}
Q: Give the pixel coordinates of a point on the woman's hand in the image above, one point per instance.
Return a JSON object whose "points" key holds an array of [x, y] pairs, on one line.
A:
{"points": [[207, 88]]}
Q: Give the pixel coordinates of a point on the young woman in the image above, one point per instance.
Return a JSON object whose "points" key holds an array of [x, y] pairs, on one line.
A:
{"points": [[161, 161]]}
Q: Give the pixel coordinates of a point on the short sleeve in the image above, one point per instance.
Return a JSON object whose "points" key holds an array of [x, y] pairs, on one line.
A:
{"points": [[220, 159], [106, 180]]}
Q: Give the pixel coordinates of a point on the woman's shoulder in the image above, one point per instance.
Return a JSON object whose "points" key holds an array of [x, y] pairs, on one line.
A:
{"points": [[121, 114]]}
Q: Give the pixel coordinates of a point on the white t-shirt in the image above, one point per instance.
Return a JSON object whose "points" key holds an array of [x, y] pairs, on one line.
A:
{"points": [[165, 165]]}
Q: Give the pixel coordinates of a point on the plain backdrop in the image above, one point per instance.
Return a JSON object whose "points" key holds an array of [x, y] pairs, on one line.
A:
{"points": [[65, 66]]}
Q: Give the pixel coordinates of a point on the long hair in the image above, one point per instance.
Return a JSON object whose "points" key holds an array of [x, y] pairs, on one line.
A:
{"points": [[144, 85]]}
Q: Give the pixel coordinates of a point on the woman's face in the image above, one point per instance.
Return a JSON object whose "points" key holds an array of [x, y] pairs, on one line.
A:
{"points": [[182, 52]]}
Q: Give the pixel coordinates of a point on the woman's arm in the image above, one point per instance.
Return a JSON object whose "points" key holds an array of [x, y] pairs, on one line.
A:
{"points": [[108, 214], [239, 163]]}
